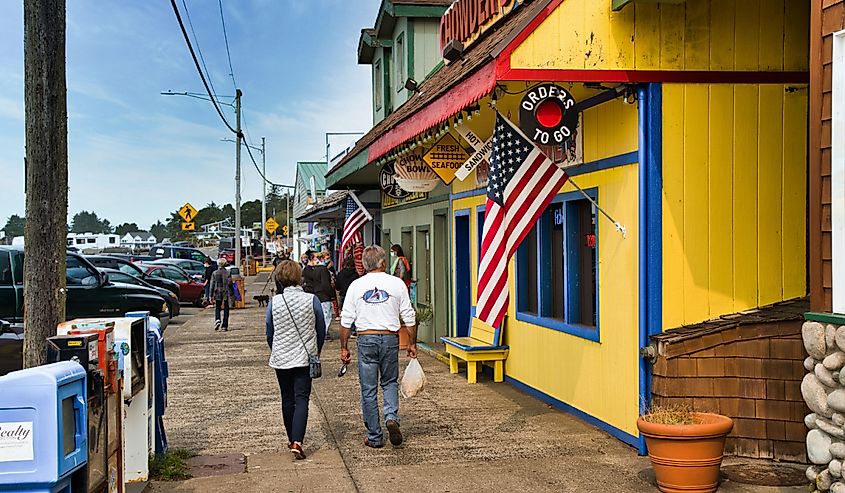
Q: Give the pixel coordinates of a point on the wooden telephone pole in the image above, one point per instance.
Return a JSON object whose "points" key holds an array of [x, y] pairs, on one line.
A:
{"points": [[45, 235]]}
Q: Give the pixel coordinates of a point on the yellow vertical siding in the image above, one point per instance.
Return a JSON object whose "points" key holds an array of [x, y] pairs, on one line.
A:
{"points": [[734, 160], [693, 35], [567, 367]]}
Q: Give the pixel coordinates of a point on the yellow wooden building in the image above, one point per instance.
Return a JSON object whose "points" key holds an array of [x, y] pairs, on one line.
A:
{"points": [[692, 139]]}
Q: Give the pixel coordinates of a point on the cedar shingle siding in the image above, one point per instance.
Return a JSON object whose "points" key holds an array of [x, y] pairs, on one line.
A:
{"points": [[828, 17]]}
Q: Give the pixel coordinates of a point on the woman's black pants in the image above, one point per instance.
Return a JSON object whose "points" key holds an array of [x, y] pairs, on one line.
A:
{"points": [[295, 385]]}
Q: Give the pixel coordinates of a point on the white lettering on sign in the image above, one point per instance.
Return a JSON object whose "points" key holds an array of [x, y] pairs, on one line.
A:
{"points": [[482, 151], [16, 441]]}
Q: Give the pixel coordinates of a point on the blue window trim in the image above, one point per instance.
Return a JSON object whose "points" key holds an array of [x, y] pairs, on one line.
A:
{"points": [[592, 166], [543, 320], [479, 229]]}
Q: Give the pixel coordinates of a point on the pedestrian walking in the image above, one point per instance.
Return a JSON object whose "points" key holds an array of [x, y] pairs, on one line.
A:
{"points": [[345, 277], [295, 329], [317, 280], [221, 290], [210, 267], [399, 265], [378, 304]]}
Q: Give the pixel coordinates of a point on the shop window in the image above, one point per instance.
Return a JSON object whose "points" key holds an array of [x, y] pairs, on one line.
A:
{"points": [[479, 221], [378, 87], [400, 62], [557, 268]]}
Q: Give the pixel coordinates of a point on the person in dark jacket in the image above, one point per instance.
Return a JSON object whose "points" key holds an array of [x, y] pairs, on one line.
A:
{"points": [[345, 277], [210, 267], [221, 290], [317, 280]]}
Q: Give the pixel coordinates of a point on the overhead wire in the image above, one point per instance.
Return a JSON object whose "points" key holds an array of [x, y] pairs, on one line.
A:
{"points": [[199, 69], [226, 39], [197, 44]]}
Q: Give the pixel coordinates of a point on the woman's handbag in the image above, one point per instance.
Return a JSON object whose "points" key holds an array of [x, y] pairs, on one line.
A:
{"points": [[315, 367]]}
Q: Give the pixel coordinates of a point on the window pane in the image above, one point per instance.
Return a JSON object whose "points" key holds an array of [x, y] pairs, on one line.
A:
{"points": [[582, 261], [5, 270], [77, 273], [555, 223], [527, 272]]}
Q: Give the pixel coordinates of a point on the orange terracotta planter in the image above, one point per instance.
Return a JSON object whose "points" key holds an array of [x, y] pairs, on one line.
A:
{"points": [[687, 458]]}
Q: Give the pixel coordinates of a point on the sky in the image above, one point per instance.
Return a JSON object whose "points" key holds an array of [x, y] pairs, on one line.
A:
{"points": [[135, 155]]}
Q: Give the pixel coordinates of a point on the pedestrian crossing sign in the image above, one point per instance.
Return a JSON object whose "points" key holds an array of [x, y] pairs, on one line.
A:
{"points": [[191, 226], [188, 213], [271, 225]]}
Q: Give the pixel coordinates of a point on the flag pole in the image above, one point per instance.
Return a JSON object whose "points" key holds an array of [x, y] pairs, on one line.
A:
{"points": [[619, 226]]}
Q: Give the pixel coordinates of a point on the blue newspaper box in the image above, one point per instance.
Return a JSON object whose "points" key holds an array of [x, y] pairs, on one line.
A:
{"points": [[44, 429]]}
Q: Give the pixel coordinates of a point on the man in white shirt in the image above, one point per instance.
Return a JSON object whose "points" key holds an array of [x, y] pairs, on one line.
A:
{"points": [[377, 304]]}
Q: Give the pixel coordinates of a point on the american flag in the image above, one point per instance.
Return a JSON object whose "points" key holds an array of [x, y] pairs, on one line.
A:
{"points": [[356, 217], [522, 183]]}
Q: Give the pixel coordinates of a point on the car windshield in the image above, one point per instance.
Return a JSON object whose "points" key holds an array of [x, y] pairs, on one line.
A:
{"points": [[174, 275], [78, 274], [129, 269], [125, 278]]}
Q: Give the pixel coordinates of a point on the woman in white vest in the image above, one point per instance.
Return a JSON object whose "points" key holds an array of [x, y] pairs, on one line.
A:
{"points": [[296, 329]]}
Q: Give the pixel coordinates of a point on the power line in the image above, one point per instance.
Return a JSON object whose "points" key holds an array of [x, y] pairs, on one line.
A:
{"points": [[199, 48], [226, 39], [199, 69]]}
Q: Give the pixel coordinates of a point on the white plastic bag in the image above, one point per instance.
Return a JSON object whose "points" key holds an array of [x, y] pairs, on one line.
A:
{"points": [[413, 380]]}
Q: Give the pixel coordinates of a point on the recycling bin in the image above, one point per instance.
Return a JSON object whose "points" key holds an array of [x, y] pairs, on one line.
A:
{"points": [[43, 429]]}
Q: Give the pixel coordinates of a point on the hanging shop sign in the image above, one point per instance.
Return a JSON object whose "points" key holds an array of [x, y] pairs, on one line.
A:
{"points": [[387, 182], [446, 157], [479, 157], [413, 175], [466, 20], [547, 115]]}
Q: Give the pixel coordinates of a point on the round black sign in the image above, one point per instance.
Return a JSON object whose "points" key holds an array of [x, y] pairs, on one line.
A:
{"points": [[547, 114], [388, 184]]}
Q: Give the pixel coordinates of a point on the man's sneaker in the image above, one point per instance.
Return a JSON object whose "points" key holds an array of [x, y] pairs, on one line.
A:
{"points": [[217, 324], [394, 433], [225, 329], [296, 450]]}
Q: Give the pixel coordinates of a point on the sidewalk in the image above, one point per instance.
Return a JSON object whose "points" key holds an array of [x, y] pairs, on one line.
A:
{"points": [[223, 399]]}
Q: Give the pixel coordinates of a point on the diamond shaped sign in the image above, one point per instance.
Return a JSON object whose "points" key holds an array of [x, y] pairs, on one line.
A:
{"points": [[446, 157]]}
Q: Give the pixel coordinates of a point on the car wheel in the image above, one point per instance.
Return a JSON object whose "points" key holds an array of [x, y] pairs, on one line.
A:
{"points": [[198, 302], [170, 310]]}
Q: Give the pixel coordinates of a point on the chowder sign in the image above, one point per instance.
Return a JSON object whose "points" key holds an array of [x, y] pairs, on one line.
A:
{"points": [[465, 20], [387, 182], [412, 174]]}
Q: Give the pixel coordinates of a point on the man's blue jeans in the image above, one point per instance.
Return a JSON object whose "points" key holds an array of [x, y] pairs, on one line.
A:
{"points": [[378, 362]]}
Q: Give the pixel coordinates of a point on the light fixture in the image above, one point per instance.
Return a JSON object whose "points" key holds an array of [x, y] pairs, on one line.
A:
{"points": [[453, 51], [412, 85]]}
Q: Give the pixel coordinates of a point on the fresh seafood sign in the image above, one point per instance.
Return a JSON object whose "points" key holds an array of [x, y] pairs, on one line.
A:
{"points": [[446, 157], [16, 441]]}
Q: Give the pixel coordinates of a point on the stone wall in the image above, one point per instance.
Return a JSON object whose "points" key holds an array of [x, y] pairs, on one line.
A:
{"points": [[823, 389]]}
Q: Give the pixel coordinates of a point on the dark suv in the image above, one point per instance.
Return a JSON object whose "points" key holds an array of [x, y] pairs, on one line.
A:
{"points": [[89, 293]]}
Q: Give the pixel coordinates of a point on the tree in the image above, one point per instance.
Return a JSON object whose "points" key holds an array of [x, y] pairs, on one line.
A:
{"points": [[89, 222], [45, 101], [251, 213], [159, 230], [124, 228], [14, 226]]}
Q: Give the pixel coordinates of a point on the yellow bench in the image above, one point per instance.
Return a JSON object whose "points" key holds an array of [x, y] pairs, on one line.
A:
{"points": [[483, 344]]}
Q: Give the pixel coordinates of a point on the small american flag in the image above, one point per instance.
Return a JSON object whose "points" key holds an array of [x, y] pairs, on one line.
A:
{"points": [[356, 217], [522, 183]]}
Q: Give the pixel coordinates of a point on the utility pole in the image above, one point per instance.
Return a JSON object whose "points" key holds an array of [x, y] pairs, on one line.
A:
{"points": [[238, 94], [45, 234], [263, 204]]}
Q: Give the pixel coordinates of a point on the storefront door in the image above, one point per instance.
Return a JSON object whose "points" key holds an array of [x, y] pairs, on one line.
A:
{"points": [[463, 280]]}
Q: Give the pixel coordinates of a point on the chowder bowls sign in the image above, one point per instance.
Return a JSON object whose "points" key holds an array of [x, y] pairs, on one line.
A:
{"points": [[413, 174], [547, 115]]}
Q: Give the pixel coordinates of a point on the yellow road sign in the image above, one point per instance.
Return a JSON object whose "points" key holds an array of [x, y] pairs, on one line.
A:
{"points": [[285, 230], [446, 157], [188, 213], [189, 226], [271, 225]]}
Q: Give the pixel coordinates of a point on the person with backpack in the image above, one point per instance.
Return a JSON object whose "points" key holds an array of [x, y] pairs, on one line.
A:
{"points": [[399, 265]]}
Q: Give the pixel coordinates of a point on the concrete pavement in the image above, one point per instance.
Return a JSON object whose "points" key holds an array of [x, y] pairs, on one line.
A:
{"points": [[223, 399]]}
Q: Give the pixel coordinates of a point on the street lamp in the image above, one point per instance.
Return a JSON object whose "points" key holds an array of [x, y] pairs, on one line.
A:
{"points": [[238, 136]]}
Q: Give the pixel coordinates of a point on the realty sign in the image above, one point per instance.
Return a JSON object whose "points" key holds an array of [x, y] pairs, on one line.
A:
{"points": [[446, 157], [16, 442]]}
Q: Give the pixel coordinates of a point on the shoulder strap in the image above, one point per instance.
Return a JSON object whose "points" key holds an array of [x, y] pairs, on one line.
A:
{"points": [[295, 325]]}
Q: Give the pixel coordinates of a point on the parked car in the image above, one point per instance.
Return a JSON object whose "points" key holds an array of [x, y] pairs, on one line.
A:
{"points": [[11, 347], [170, 251], [131, 257], [226, 249], [121, 277], [131, 268], [89, 294], [192, 267], [190, 290]]}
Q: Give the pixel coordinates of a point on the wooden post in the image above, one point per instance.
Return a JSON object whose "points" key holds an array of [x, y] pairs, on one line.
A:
{"points": [[45, 234]]}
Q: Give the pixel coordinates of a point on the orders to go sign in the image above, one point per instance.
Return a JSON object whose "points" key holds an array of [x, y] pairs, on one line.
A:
{"points": [[548, 114]]}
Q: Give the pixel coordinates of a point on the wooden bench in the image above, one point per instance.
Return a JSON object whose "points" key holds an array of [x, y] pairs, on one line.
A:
{"points": [[483, 344]]}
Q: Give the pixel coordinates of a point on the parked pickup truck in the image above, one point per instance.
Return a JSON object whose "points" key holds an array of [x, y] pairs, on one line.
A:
{"points": [[89, 292]]}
